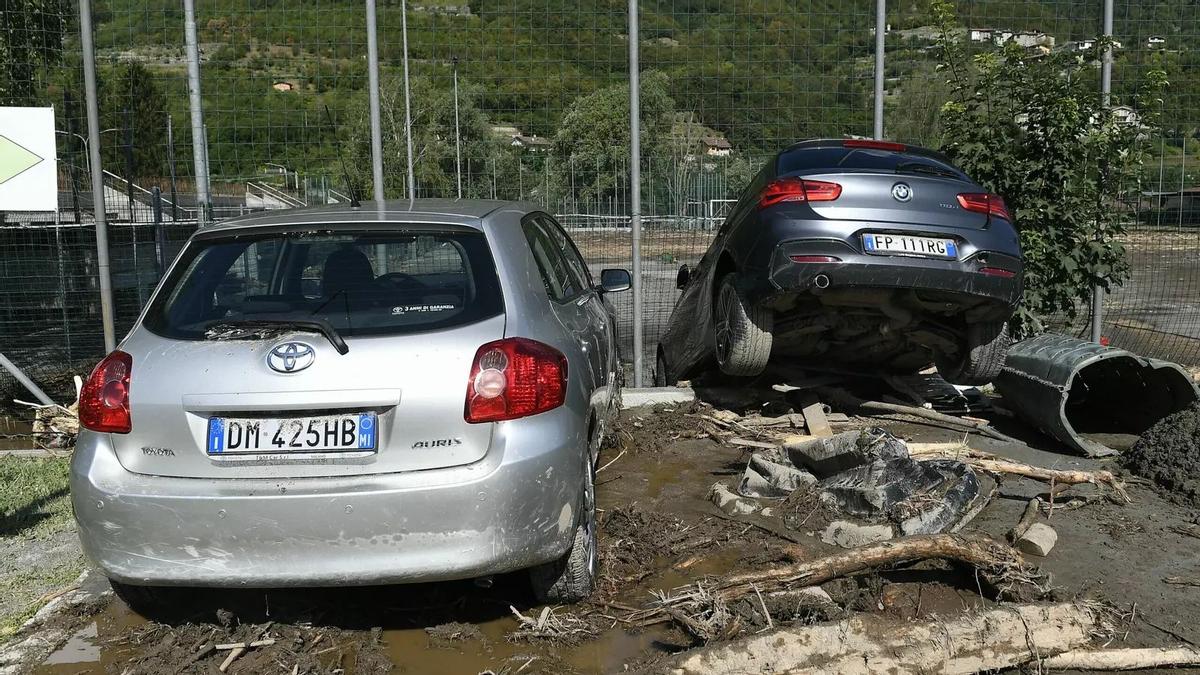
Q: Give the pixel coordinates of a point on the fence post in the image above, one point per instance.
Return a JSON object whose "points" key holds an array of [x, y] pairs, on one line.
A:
{"points": [[412, 180], [880, 41], [1105, 93], [160, 233], [635, 199], [93, 150], [199, 138]]}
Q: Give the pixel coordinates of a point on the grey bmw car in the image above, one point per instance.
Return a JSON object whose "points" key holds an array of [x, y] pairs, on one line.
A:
{"points": [[855, 254], [400, 392]]}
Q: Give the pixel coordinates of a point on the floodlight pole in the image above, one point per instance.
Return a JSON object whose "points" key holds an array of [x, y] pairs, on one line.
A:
{"points": [[1106, 96], [457, 133], [103, 270], [373, 96], [880, 41], [199, 136], [412, 181], [635, 192]]}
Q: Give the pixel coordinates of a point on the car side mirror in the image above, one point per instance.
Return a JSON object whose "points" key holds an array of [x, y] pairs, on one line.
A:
{"points": [[615, 280], [681, 279]]}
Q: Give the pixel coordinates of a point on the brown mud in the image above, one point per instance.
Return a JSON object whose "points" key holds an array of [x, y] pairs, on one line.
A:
{"points": [[659, 532], [1169, 454]]}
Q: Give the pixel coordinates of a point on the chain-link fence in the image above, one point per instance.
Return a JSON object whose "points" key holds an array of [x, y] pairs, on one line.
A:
{"points": [[524, 99]]}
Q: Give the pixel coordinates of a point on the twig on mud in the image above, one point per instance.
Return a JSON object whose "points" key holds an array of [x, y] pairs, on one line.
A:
{"points": [[611, 462], [1181, 581], [769, 529], [995, 465], [550, 626], [1028, 517], [763, 604], [245, 645]]}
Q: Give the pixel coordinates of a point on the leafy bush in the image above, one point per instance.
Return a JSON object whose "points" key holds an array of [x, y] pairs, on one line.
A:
{"points": [[1035, 129]]}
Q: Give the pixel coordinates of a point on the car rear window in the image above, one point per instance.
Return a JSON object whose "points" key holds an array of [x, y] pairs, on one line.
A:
{"points": [[835, 158], [362, 283]]}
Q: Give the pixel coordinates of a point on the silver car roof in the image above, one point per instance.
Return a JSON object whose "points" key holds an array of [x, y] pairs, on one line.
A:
{"points": [[466, 212]]}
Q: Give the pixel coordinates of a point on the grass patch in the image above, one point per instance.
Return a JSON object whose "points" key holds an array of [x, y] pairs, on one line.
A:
{"points": [[34, 496], [41, 552]]}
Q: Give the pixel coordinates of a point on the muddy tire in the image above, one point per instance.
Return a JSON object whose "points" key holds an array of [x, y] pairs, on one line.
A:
{"points": [[150, 601], [742, 331], [572, 578], [986, 349], [661, 378]]}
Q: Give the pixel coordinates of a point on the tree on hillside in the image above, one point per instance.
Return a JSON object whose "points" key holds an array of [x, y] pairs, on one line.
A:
{"points": [[592, 141], [433, 136], [132, 102], [1036, 131], [31, 38]]}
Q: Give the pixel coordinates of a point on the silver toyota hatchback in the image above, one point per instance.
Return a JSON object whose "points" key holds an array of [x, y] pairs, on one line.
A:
{"points": [[400, 392]]}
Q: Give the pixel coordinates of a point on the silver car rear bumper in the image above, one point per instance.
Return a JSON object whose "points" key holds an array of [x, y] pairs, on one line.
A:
{"points": [[513, 509]]}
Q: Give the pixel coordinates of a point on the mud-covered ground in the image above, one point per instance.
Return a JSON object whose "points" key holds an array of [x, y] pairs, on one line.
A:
{"points": [[660, 532]]}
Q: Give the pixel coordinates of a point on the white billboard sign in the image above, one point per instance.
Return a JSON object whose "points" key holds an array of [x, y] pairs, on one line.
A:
{"points": [[28, 160]]}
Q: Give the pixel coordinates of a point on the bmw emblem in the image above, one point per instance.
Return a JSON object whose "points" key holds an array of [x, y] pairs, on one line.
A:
{"points": [[902, 192], [291, 357]]}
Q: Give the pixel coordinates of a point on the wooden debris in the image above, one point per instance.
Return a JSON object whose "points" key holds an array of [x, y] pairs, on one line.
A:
{"points": [[997, 639], [742, 442], [1124, 659], [1028, 518], [1181, 581], [956, 423], [991, 557], [233, 655], [992, 464], [814, 419]]}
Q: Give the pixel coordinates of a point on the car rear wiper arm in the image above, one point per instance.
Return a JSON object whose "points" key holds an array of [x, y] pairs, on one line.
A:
{"points": [[314, 325], [917, 167]]}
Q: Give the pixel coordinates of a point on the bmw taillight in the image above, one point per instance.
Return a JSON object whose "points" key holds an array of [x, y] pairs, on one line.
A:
{"points": [[104, 398], [985, 203], [783, 190], [515, 377]]}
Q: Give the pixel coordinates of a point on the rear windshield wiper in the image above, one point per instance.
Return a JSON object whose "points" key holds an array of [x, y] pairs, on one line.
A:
{"points": [[313, 325], [921, 167]]}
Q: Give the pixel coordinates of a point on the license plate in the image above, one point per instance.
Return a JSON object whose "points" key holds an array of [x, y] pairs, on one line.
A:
{"points": [[325, 433], [898, 244]]}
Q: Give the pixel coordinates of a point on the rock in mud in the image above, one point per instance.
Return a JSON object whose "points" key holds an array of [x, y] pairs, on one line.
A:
{"points": [[730, 503], [851, 535], [1169, 454], [1038, 540]]}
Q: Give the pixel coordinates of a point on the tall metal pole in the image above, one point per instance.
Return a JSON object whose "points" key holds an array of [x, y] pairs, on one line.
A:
{"points": [[412, 181], [171, 164], [199, 144], [93, 149], [373, 96], [457, 135], [880, 41], [1105, 94], [635, 177]]}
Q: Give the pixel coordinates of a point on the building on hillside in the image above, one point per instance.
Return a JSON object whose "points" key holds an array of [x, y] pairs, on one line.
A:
{"points": [[981, 34], [1124, 114], [284, 85], [532, 143], [1156, 42], [505, 130], [717, 146]]}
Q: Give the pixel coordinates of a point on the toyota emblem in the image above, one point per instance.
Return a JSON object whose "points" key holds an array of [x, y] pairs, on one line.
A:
{"points": [[902, 192], [291, 357]]}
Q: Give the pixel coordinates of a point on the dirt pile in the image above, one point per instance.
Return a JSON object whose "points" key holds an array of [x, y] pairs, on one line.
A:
{"points": [[661, 426], [1169, 455]]}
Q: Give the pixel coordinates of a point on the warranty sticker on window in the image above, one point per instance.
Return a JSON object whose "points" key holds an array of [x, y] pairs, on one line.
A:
{"points": [[420, 309]]}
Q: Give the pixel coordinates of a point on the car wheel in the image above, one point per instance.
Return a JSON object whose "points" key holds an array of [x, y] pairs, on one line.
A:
{"points": [[150, 601], [986, 349], [572, 578], [660, 372], [742, 331]]}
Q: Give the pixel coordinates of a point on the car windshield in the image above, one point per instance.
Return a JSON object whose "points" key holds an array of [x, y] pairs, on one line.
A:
{"points": [[833, 158], [355, 283]]}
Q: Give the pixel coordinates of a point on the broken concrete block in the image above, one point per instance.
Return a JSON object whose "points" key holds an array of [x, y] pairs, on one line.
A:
{"points": [[814, 419], [1038, 540], [729, 502], [851, 535]]}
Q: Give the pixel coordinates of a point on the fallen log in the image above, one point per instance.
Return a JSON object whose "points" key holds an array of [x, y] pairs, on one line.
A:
{"points": [[996, 639], [995, 465], [1123, 659], [957, 423], [992, 558]]}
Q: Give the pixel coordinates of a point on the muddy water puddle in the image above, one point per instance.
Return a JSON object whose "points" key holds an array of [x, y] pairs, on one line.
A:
{"points": [[16, 432]]}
